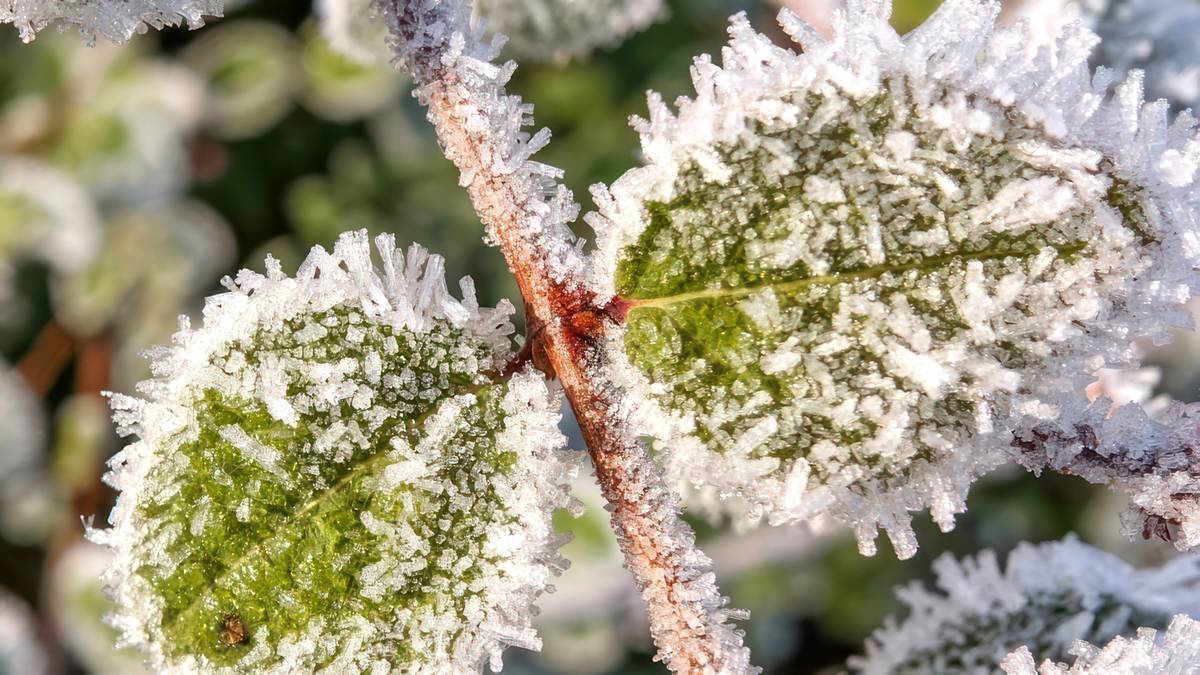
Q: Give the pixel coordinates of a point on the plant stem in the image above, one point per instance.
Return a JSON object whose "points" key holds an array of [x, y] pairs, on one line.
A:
{"points": [[525, 212]]}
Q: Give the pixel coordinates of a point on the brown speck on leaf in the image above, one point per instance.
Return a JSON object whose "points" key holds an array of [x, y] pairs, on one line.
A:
{"points": [[233, 631]]}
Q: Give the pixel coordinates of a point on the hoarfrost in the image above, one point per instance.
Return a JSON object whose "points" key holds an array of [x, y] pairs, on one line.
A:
{"points": [[1048, 597], [276, 462], [564, 29], [1157, 37], [117, 20], [524, 206], [1005, 223], [534, 200], [1176, 652]]}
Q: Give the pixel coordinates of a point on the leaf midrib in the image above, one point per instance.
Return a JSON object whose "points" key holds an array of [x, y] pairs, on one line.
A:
{"points": [[929, 264]]}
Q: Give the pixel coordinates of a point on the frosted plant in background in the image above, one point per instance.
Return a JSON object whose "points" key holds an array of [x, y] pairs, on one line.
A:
{"points": [[252, 75], [154, 264], [1047, 597], [27, 503], [44, 216], [852, 273], [350, 421], [564, 29], [354, 29], [1176, 652], [126, 138], [117, 20], [20, 651], [79, 608], [340, 88], [1155, 36], [536, 29]]}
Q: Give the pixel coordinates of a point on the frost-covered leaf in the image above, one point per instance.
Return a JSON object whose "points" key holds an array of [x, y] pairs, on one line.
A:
{"points": [[117, 20], [1176, 652], [1047, 597], [563, 29], [20, 651], [332, 474], [851, 273]]}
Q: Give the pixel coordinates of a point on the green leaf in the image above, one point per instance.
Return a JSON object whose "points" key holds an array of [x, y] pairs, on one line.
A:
{"points": [[331, 474], [844, 293]]}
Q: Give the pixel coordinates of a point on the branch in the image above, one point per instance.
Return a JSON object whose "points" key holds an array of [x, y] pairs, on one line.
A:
{"points": [[526, 211]]}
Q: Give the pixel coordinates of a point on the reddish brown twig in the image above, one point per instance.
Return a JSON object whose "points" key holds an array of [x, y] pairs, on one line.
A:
{"points": [[474, 117], [49, 354]]}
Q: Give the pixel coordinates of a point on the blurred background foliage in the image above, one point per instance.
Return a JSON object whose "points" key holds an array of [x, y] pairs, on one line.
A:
{"points": [[132, 179]]}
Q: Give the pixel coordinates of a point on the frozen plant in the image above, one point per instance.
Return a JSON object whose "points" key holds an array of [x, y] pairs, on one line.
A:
{"points": [[1046, 599], [117, 20], [855, 274], [360, 458], [1174, 653], [536, 29]]}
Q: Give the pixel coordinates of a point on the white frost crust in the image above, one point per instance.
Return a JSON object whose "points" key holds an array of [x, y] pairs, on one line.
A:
{"points": [[565, 29], [961, 50], [117, 20], [1050, 595], [407, 291], [20, 649], [1176, 652], [538, 204]]}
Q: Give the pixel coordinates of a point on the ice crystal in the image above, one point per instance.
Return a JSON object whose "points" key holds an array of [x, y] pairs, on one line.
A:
{"points": [[1048, 597], [528, 210], [117, 20], [540, 206], [564, 29], [332, 466], [1177, 652], [852, 272], [536, 29], [1155, 36], [20, 651]]}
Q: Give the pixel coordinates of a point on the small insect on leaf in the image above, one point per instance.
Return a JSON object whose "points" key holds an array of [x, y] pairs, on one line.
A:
{"points": [[233, 631]]}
